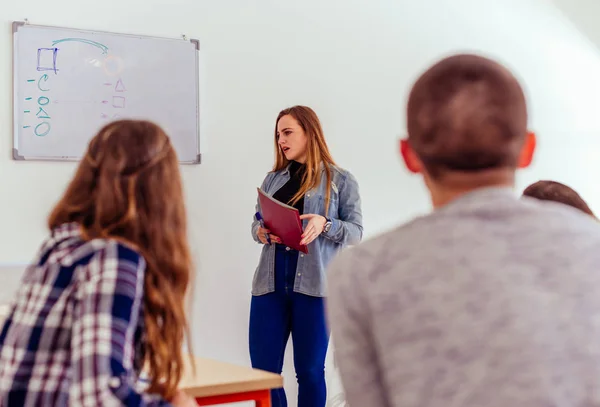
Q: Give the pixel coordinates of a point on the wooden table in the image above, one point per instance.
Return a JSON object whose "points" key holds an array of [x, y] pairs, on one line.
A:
{"points": [[218, 382]]}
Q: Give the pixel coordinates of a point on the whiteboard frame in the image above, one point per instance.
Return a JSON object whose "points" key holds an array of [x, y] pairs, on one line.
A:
{"points": [[15, 30]]}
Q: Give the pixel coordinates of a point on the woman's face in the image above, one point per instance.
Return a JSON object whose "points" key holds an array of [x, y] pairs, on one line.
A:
{"points": [[291, 139]]}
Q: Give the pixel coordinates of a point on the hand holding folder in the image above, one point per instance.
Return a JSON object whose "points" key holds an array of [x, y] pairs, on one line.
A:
{"points": [[282, 220]]}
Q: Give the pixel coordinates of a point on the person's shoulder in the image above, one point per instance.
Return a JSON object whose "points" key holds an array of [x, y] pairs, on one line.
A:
{"points": [[542, 205], [342, 176], [561, 218], [103, 256], [272, 174], [269, 177], [336, 170], [378, 251], [557, 211], [124, 251]]}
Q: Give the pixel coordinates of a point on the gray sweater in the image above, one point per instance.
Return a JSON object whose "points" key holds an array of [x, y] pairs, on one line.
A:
{"points": [[490, 301]]}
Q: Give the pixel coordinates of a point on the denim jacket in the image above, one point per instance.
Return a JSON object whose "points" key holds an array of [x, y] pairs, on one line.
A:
{"points": [[346, 229]]}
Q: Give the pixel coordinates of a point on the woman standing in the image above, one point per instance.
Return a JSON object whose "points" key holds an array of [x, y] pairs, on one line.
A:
{"points": [[288, 286]]}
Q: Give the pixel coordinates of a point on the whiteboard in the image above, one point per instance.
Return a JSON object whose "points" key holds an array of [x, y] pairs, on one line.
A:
{"points": [[69, 83]]}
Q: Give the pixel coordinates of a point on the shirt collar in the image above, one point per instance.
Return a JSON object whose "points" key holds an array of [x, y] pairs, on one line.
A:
{"points": [[66, 231], [481, 198], [287, 169]]}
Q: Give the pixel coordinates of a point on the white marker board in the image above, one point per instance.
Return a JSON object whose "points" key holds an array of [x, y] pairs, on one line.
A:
{"points": [[69, 83]]}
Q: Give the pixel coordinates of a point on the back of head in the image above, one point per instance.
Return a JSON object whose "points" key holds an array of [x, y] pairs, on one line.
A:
{"points": [[128, 188], [557, 192], [466, 114]]}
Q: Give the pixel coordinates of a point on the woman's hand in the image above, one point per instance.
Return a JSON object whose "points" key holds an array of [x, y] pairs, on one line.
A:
{"points": [[183, 400], [313, 229], [262, 233]]}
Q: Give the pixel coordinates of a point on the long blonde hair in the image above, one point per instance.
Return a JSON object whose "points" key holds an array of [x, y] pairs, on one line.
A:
{"points": [[128, 188], [317, 152]]}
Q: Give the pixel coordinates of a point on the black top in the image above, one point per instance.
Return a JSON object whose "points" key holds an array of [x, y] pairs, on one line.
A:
{"points": [[287, 192]]}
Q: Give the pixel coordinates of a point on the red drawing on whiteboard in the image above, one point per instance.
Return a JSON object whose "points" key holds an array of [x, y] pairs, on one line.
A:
{"points": [[119, 87], [118, 102]]}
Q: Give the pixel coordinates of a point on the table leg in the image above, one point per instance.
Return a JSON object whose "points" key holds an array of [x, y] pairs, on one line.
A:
{"points": [[264, 401], [261, 397]]}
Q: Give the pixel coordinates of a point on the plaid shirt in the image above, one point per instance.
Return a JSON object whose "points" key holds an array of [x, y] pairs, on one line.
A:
{"points": [[73, 335]]}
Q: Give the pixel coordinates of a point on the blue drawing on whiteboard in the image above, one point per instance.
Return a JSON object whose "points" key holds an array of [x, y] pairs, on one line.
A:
{"points": [[46, 59], [42, 116], [102, 47], [44, 132], [44, 78]]}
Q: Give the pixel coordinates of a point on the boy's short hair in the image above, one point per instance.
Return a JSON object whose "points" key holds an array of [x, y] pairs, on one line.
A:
{"points": [[557, 192], [467, 113]]}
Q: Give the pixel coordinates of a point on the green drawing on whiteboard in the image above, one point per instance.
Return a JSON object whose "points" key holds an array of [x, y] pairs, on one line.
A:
{"points": [[103, 47]]}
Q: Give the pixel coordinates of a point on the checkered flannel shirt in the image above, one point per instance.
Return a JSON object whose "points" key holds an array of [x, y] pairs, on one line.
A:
{"points": [[73, 335]]}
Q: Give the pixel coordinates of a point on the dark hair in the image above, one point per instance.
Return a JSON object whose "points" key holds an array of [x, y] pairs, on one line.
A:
{"points": [[467, 113], [128, 187], [557, 192]]}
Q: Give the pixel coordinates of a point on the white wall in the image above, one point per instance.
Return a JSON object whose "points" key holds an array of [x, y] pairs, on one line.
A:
{"points": [[353, 61], [584, 14]]}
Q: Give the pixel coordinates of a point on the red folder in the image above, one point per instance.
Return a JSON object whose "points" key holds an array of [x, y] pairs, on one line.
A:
{"points": [[282, 220]]}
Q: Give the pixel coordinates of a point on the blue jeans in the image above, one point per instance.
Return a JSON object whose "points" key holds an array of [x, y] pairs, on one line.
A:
{"points": [[274, 316]]}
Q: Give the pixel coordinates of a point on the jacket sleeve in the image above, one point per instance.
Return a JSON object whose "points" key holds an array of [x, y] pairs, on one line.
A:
{"points": [[255, 222], [348, 228]]}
